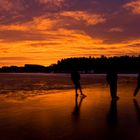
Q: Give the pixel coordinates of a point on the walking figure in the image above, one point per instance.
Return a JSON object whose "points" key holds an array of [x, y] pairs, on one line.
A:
{"points": [[138, 85], [112, 78], [75, 77]]}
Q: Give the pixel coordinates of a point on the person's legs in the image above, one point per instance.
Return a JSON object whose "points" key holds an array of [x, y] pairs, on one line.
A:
{"points": [[76, 88], [76, 91], [113, 91], [136, 91], [80, 91], [79, 87]]}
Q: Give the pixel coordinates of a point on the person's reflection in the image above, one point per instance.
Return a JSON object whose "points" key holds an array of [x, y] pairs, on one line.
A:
{"points": [[76, 111], [137, 108], [138, 86], [112, 118]]}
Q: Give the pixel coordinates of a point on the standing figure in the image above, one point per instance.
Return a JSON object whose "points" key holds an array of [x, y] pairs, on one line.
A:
{"points": [[112, 81], [75, 77], [138, 86]]}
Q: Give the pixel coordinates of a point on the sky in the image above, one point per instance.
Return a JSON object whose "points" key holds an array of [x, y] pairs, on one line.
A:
{"points": [[45, 31]]}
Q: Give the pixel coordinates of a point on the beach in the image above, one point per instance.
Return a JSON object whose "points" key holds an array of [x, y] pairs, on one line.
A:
{"points": [[44, 107]]}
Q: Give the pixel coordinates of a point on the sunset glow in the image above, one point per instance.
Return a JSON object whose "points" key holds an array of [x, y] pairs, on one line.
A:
{"points": [[45, 31]]}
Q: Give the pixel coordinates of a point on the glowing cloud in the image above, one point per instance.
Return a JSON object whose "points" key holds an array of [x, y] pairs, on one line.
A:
{"points": [[38, 23], [89, 18], [6, 5], [134, 6], [52, 2], [12, 6], [116, 29]]}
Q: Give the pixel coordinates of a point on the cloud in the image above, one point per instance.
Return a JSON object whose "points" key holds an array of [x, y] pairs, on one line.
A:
{"points": [[88, 18], [44, 44], [12, 6], [52, 2], [19, 36], [6, 5], [133, 6], [41, 29], [135, 45], [64, 37], [13, 58], [38, 23], [47, 27], [116, 29]]}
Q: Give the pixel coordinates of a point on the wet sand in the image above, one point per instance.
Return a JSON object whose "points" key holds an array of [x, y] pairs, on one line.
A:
{"points": [[58, 116]]}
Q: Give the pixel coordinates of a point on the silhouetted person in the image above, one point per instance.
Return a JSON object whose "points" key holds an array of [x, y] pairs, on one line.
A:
{"points": [[138, 86], [112, 116], [112, 78], [75, 77], [137, 107]]}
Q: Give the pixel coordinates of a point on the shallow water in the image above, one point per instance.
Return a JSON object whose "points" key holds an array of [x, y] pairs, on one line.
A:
{"points": [[40, 81], [52, 113], [24, 85], [31, 81]]}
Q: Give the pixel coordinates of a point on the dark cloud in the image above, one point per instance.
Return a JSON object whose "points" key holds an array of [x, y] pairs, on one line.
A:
{"points": [[134, 45], [21, 11], [44, 44], [15, 36], [13, 58]]}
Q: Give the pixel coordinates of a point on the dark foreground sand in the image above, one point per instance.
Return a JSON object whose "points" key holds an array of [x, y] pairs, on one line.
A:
{"points": [[58, 117]]}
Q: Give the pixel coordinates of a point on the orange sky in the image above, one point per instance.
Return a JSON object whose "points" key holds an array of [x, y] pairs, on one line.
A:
{"points": [[44, 31]]}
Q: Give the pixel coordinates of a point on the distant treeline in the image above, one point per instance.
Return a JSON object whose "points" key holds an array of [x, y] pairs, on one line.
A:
{"points": [[122, 64]]}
